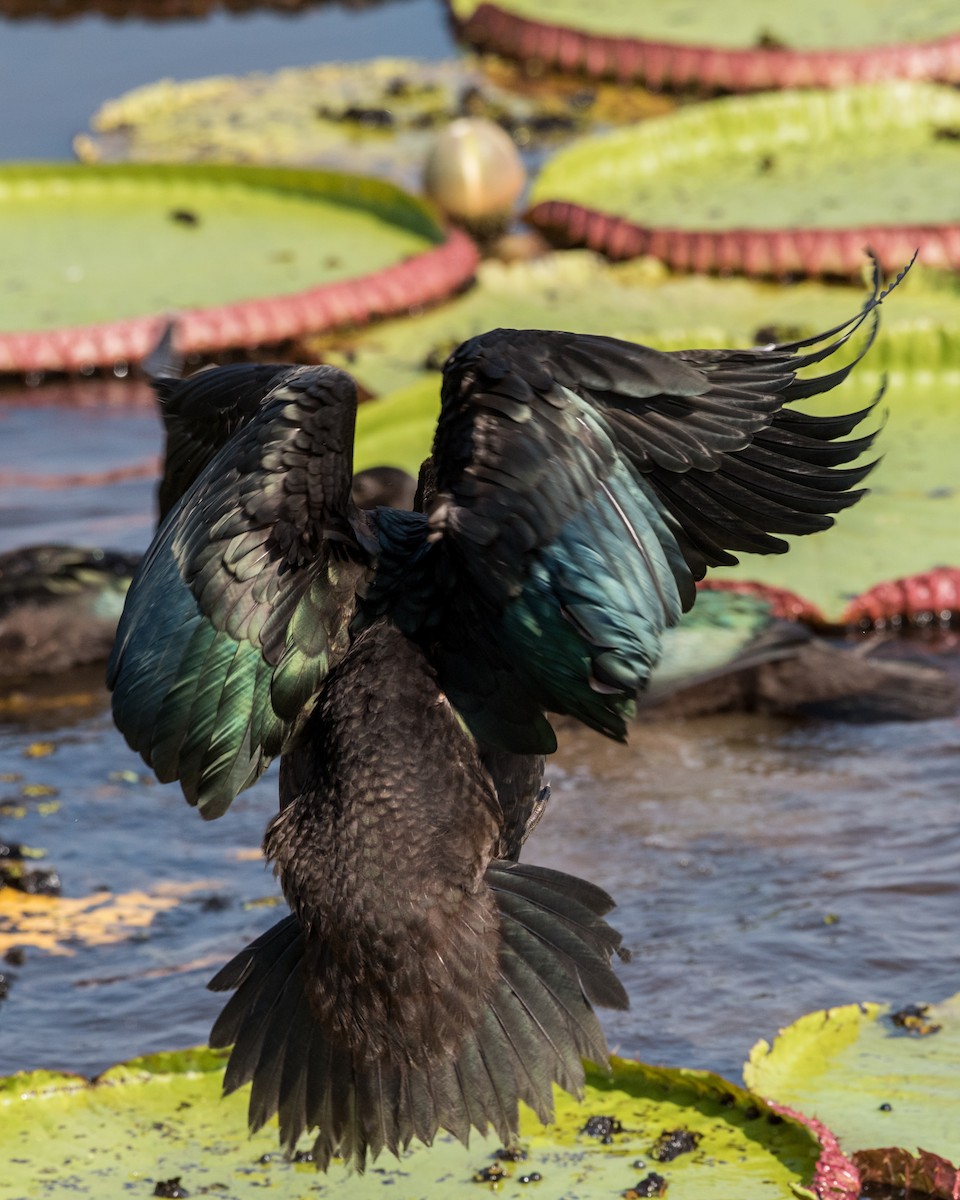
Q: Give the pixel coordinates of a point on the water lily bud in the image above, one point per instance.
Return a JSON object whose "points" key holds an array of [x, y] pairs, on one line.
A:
{"points": [[474, 173]]}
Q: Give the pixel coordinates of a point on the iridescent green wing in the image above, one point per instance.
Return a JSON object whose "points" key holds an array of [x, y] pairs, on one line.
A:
{"points": [[243, 600]]}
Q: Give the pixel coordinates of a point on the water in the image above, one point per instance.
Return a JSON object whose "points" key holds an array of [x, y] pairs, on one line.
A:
{"points": [[762, 869], [54, 75]]}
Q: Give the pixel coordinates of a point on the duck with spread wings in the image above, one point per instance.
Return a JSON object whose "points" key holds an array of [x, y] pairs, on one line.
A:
{"points": [[402, 664]]}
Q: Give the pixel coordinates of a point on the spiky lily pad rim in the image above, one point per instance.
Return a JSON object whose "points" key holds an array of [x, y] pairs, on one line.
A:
{"points": [[760, 253], [922, 599], [425, 277], [709, 68]]}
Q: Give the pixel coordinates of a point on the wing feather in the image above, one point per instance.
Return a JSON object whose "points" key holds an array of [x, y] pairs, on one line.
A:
{"points": [[582, 484], [246, 594]]}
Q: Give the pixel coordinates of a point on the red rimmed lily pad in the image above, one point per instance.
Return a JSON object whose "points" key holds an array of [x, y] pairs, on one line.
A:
{"points": [[161, 1121], [94, 257], [739, 47], [879, 1076], [780, 184]]}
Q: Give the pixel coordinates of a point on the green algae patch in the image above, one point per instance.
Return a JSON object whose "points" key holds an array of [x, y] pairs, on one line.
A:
{"points": [[875, 1077], [820, 24], [377, 117], [150, 1122], [81, 245]]}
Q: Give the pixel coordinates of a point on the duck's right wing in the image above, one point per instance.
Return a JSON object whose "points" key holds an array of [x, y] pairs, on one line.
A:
{"points": [[582, 484], [243, 600]]}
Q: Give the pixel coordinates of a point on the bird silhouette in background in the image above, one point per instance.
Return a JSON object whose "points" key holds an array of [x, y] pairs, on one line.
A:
{"points": [[731, 652], [402, 664]]}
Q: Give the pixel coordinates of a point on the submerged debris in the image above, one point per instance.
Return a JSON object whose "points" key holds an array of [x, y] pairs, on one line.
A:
{"points": [[492, 1174], [651, 1185], [603, 1128], [672, 1143], [170, 1189], [913, 1018], [511, 1154]]}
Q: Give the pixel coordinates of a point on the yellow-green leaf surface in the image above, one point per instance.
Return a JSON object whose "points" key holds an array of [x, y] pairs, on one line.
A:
{"points": [[842, 1065], [162, 1118], [397, 431], [377, 117], [819, 24], [80, 245], [847, 158], [578, 291]]}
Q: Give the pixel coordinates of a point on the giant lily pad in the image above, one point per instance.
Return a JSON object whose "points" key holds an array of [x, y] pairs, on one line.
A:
{"points": [[873, 1081], [377, 117], [796, 182], [160, 1119], [92, 257], [738, 46]]}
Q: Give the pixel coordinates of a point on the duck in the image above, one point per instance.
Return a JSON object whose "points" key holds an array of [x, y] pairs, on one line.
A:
{"points": [[402, 666], [733, 652], [59, 607]]}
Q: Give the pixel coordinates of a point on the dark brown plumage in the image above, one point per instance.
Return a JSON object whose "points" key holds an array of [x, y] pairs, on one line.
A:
{"points": [[427, 982], [402, 664]]}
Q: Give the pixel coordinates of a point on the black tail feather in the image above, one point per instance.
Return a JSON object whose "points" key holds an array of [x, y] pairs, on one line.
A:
{"points": [[536, 1029]]}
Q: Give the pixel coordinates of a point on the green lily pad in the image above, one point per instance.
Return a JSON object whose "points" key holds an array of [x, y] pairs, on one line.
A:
{"points": [[97, 249], [377, 117], [397, 430], [772, 184], [820, 24], [844, 1064], [162, 1118], [743, 45], [640, 300]]}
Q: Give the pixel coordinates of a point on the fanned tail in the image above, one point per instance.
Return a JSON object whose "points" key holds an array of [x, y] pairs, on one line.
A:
{"points": [[536, 1029]]}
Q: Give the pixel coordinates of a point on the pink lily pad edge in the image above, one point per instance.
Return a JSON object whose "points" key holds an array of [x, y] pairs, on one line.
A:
{"points": [[926, 598], [423, 278], [761, 253], [710, 68]]}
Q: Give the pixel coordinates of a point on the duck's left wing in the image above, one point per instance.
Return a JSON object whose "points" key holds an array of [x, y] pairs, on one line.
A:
{"points": [[243, 600], [202, 412]]}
